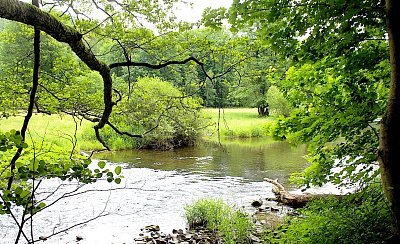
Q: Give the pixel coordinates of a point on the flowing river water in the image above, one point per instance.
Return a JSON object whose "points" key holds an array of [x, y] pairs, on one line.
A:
{"points": [[156, 187]]}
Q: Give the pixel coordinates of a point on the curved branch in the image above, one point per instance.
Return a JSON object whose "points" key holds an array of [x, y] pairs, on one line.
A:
{"points": [[31, 15], [156, 66]]}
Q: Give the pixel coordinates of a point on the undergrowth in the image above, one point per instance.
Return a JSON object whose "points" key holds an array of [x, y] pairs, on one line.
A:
{"points": [[233, 225], [358, 218]]}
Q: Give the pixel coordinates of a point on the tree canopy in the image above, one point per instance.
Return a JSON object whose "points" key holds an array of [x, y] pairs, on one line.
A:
{"points": [[330, 60]]}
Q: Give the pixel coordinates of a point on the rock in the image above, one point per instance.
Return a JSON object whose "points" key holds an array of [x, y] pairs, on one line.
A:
{"points": [[153, 228], [257, 203], [255, 239], [274, 209], [180, 231]]}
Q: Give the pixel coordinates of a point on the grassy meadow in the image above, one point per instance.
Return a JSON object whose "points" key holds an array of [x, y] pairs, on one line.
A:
{"points": [[60, 129], [53, 129], [236, 123]]}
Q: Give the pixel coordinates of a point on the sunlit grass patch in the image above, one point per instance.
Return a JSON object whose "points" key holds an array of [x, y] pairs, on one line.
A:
{"points": [[233, 225], [60, 130], [237, 122]]}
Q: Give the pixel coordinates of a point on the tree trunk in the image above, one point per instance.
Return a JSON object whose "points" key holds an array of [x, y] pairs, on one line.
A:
{"points": [[294, 200], [263, 111], [389, 142]]}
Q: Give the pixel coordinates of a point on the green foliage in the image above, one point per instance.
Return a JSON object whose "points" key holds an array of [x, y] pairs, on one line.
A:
{"points": [[338, 82], [157, 110], [65, 84], [234, 225], [278, 104], [360, 218], [38, 163]]}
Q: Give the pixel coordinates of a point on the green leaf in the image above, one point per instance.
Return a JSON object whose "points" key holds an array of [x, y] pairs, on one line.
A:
{"points": [[41, 205], [101, 164], [117, 180], [18, 190], [118, 170]]}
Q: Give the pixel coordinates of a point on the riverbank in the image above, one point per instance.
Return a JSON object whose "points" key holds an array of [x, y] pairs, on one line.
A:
{"points": [[266, 215], [66, 132]]}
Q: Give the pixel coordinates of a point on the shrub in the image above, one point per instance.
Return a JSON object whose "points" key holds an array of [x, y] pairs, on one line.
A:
{"points": [[233, 224], [360, 218], [277, 102], [156, 109]]}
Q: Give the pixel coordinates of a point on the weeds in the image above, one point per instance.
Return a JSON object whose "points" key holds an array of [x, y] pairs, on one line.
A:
{"points": [[232, 224]]}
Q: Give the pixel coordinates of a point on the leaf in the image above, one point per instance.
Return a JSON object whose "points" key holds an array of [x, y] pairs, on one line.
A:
{"points": [[117, 180], [18, 190], [118, 170], [41, 205], [101, 164]]}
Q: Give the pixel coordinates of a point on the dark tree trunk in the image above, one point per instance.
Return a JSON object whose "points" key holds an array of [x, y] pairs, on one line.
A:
{"points": [[263, 111], [389, 143]]}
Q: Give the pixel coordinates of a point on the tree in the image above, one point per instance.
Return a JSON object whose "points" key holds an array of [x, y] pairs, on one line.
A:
{"points": [[165, 116], [119, 27], [389, 143], [339, 84]]}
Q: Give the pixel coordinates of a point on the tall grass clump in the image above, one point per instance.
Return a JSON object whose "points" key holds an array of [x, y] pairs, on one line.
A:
{"points": [[233, 225], [358, 218]]}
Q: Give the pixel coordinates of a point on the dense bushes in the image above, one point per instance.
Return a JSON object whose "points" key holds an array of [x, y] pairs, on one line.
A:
{"points": [[156, 109], [360, 218]]}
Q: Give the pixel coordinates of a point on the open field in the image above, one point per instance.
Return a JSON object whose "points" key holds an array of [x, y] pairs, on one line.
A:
{"points": [[54, 129], [60, 130], [237, 122]]}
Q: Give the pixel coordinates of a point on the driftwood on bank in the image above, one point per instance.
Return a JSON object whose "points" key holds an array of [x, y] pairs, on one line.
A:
{"points": [[293, 200]]}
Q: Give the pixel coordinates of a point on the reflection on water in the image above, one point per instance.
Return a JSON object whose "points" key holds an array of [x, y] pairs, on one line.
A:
{"points": [[252, 160], [157, 186]]}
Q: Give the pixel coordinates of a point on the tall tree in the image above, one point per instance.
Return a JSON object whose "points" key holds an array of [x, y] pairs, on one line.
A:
{"points": [[339, 83], [120, 26], [389, 143]]}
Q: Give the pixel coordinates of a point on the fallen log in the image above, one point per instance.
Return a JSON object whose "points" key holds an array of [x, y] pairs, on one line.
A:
{"points": [[293, 200]]}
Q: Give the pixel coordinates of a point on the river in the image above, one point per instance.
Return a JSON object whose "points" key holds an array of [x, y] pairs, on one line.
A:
{"points": [[157, 186]]}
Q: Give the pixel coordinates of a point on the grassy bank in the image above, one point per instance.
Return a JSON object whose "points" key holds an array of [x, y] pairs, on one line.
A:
{"points": [[236, 123], [55, 129], [60, 130]]}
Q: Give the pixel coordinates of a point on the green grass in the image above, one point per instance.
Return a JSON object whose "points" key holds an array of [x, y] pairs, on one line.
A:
{"points": [[237, 123], [363, 217], [60, 129], [53, 129], [232, 224]]}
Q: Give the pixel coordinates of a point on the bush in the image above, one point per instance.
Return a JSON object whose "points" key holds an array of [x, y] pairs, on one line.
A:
{"points": [[278, 104], [156, 109], [360, 218], [234, 225]]}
